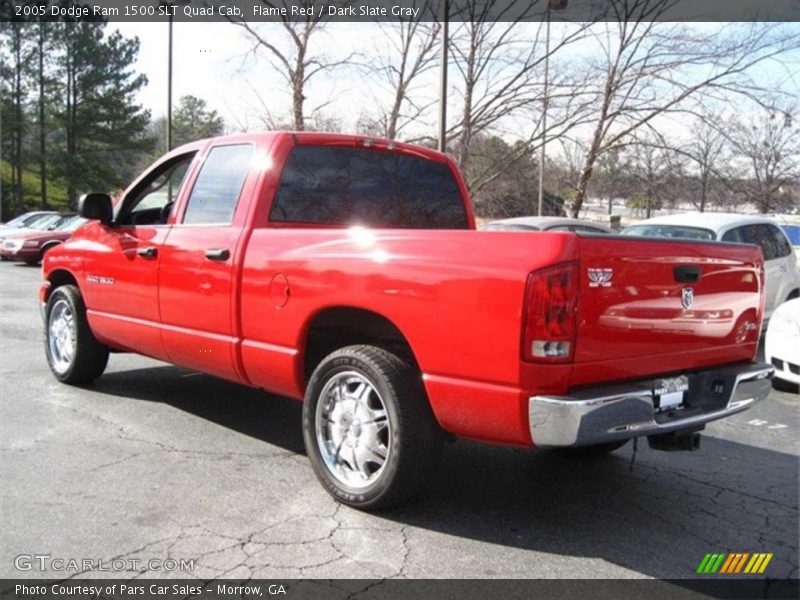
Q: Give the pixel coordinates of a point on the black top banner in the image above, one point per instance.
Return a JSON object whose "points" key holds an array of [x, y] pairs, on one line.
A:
{"points": [[406, 10]]}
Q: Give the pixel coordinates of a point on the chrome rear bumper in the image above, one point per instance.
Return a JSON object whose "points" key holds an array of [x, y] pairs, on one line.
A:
{"points": [[617, 412]]}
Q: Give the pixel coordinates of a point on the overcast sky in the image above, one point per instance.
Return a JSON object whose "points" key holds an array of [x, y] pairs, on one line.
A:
{"points": [[213, 61]]}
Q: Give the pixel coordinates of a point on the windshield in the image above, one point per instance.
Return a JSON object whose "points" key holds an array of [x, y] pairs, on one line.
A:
{"points": [[793, 233], [70, 224], [21, 220], [45, 223], [670, 231], [28, 220]]}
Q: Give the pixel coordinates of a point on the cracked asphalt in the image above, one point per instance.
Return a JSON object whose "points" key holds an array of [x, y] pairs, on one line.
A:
{"points": [[154, 461]]}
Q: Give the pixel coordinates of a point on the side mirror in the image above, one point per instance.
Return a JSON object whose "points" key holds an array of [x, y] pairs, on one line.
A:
{"points": [[96, 206]]}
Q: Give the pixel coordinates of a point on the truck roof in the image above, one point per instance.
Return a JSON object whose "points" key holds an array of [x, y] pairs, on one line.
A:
{"points": [[316, 138]]}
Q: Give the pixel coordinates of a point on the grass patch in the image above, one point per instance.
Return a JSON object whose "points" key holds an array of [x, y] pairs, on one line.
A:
{"points": [[56, 191]]}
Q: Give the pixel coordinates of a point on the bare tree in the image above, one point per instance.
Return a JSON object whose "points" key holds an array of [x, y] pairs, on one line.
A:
{"points": [[708, 152], [645, 68], [769, 145], [698, 167], [411, 52], [651, 166], [566, 168], [612, 168], [500, 68], [290, 51]]}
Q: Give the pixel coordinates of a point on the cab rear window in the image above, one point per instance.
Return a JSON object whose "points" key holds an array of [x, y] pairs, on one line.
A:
{"points": [[358, 186]]}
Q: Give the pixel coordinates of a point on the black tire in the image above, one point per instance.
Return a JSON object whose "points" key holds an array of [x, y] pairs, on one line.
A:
{"points": [[89, 357], [413, 439], [592, 451], [785, 386]]}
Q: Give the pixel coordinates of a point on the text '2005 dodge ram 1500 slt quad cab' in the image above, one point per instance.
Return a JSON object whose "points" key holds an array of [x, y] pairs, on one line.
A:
{"points": [[347, 272]]}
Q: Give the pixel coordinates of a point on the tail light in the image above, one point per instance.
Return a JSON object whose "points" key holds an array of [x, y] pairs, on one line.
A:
{"points": [[550, 314]]}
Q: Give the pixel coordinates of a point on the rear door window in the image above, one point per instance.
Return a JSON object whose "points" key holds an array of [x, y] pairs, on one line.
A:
{"points": [[757, 234], [782, 246], [359, 186], [734, 235], [219, 184]]}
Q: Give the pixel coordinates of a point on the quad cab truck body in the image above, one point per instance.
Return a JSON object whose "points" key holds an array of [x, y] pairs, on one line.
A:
{"points": [[347, 272]]}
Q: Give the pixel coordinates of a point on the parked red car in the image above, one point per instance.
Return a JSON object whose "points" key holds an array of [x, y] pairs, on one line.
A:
{"points": [[346, 272], [30, 245]]}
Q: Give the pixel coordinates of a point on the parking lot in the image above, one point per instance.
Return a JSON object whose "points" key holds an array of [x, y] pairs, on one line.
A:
{"points": [[154, 462]]}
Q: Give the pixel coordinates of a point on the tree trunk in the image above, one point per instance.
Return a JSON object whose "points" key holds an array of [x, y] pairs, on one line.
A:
{"points": [[466, 120], [17, 150], [297, 104], [70, 131], [394, 115], [42, 135], [703, 191], [399, 96], [298, 83], [591, 157], [583, 183]]}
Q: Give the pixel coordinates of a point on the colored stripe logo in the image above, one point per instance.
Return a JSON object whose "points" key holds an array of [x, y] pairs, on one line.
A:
{"points": [[734, 563]]}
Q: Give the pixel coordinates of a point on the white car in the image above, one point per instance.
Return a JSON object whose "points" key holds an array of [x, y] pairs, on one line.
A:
{"points": [[782, 342], [780, 266]]}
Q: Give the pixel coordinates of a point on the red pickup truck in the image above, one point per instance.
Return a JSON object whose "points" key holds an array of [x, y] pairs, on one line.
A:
{"points": [[347, 272]]}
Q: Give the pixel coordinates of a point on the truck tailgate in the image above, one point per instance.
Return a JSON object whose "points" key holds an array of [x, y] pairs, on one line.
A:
{"points": [[653, 306]]}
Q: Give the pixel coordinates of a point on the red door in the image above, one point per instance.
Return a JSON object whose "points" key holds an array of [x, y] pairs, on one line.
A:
{"points": [[197, 280], [122, 263]]}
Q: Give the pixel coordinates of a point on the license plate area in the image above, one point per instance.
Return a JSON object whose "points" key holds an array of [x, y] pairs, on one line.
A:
{"points": [[669, 393]]}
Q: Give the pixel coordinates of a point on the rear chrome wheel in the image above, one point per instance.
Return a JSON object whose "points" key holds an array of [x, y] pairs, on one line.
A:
{"points": [[368, 429], [353, 429]]}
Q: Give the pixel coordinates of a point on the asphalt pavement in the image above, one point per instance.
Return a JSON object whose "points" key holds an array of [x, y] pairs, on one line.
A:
{"points": [[153, 463]]}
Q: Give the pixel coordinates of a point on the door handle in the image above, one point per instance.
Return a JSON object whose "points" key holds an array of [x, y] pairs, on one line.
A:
{"points": [[686, 274], [218, 254], [147, 252]]}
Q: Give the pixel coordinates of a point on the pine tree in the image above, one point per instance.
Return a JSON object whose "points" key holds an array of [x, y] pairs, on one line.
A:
{"points": [[16, 52], [104, 128], [194, 121]]}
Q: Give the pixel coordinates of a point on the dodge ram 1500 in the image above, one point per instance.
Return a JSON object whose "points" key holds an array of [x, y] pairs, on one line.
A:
{"points": [[347, 272]]}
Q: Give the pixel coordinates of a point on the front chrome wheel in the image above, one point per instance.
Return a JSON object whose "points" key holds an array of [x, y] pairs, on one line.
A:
{"points": [[353, 429], [61, 338], [73, 353]]}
